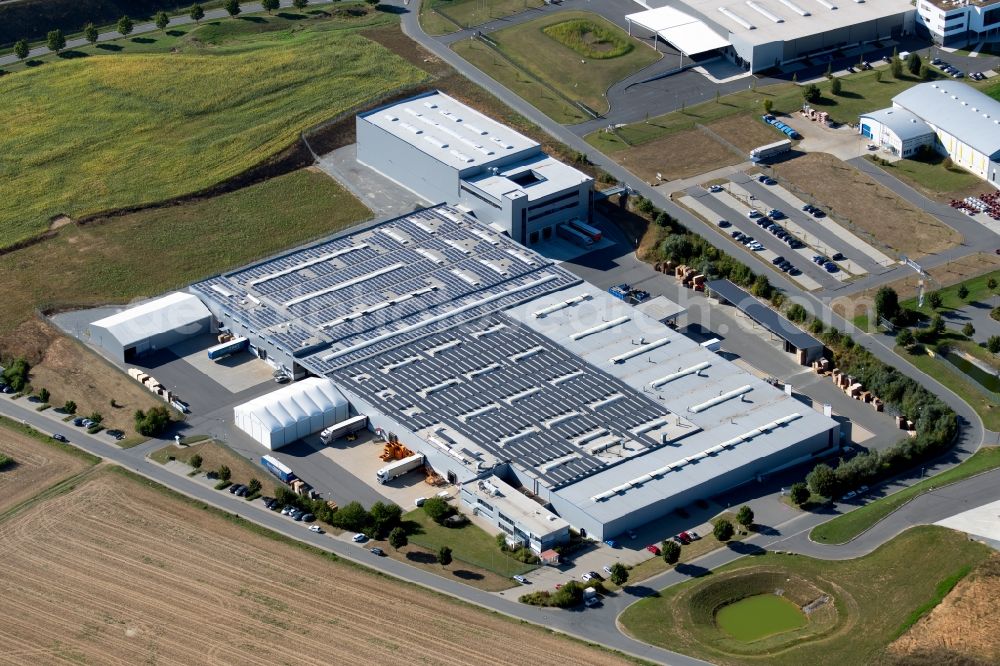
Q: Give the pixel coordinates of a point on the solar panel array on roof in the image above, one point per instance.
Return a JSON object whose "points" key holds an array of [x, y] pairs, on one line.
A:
{"points": [[360, 294], [547, 409]]}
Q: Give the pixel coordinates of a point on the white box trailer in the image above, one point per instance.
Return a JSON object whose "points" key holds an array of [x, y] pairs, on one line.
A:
{"points": [[399, 468]]}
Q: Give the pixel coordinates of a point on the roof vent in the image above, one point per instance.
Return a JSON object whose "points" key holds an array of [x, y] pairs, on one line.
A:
{"points": [[986, 115], [954, 96], [975, 110]]}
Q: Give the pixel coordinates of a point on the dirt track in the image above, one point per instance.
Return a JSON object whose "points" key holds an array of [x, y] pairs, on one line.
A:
{"points": [[36, 467], [117, 573]]}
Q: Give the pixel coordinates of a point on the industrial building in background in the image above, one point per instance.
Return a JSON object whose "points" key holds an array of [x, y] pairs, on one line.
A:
{"points": [[949, 117], [496, 366], [447, 152], [147, 327], [957, 23], [762, 34]]}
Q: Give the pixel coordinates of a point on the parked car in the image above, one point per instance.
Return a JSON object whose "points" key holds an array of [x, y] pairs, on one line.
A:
{"points": [[607, 569], [654, 549], [59, 438], [297, 516], [376, 551], [590, 602], [694, 535], [233, 488], [685, 539], [359, 538], [591, 575], [777, 260], [715, 188], [770, 181], [831, 267], [775, 214], [849, 495], [611, 543], [837, 256], [794, 271], [78, 421], [420, 501], [754, 214], [308, 518], [316, 528], [242, 491], [522, 580], [724, 224]]}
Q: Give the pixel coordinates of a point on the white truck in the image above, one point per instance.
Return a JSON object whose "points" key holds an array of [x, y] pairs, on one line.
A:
{"points": [[338, 430], [399, 468]]}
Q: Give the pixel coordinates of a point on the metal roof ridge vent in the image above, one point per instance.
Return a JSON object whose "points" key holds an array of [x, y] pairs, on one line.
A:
{"points": [[461, 156], [439, 386], [434, 351], [391, 118], [438, 317], [599, 497], [641, 349], [310, 262], [399, 364], [475, 129], [422, 225], [562, 379], [458, 246], [430, 105], [488, 331], [437, 258], [598, 447], [435, 141], [556, 462], [466, 276], [523, 257], [516, 436], [485, 409], [589, 436], [483, 235], [521, 395], [555, 307], [650, 425], [725, 11], [472, 374], [500, 142], [693, 370], [520, 356], [729, 395], [496, 268], [344, 284], [600, 327], [561, 418], [604, 402], [765, 12], [219, 289], [826, 3], [413, 112], [795, 8]]}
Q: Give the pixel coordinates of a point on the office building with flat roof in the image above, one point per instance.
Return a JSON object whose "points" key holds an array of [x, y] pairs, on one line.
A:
{"points": [[447, 152]]}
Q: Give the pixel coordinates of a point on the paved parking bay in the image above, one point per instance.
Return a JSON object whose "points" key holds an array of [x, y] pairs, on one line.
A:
{"points": [[982, 522], [736, 212], [826, 231]]}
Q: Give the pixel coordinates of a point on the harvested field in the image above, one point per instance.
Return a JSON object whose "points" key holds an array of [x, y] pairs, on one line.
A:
{"points": [[678, 155], [214, 455], [962, 628], [746, 131], [36, 467], [116, 571], [868, 209]]}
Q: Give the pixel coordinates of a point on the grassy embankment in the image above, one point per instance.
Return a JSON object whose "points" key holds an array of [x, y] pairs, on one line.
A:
{"points": [[844, 528], [558, 59], [96, 133], [874, 592]]}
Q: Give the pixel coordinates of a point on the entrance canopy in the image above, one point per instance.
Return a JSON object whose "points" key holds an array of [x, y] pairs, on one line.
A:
{"points": [[689, 35]]}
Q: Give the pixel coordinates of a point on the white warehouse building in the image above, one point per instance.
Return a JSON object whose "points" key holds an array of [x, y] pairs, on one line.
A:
{"points": [[150, 326], [447, 152], [761, 34], [293, 412], [951, 117]]}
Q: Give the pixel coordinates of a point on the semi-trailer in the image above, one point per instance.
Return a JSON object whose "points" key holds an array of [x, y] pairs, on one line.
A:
{"points": [[399, 468], [586, 230], [567, 232], [278, 468], [338, 430], [234, 346]]}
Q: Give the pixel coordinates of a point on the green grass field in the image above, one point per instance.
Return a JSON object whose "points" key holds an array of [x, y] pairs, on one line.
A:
{"points": [[759, 616], [146, 253], [468, 13], [978, 291], [590, 39], [876, 598], [844, 528], [556, 65], [928, 174], [97, 133], [963, 385], [861, 92], [468, 543]]}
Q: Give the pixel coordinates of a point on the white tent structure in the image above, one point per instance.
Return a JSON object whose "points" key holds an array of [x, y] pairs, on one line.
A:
{"points": [[149, 326], [688, 34], [293, 412]]}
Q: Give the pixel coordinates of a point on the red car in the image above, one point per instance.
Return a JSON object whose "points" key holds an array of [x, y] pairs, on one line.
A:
{"points": [[685, 537], [653, 548]]}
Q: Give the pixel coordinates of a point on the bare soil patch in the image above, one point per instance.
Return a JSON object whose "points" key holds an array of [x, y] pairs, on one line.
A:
{"points": [[70, 371], [870, 210], [678, 155], [59, 221], [116, 571], [36, 467], [962, 628], [745, 131], [214, 455]]}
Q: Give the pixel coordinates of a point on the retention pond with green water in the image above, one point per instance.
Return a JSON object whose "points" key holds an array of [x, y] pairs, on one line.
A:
{"points": [[759, 616]]}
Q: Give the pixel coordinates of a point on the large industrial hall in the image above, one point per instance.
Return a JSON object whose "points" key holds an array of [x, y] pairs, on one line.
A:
{"points": [[491, 360]]}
